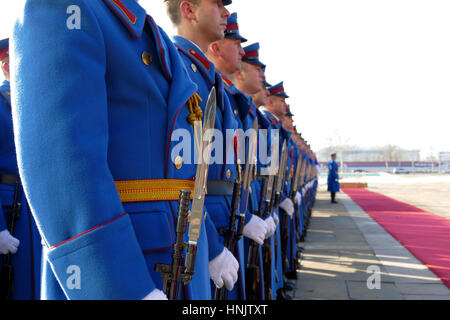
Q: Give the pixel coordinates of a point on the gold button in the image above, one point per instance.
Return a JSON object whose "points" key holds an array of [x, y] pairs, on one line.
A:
{"points": [[178, 162], [147, 58], [236, 112], [194, 67], [228, 174]]}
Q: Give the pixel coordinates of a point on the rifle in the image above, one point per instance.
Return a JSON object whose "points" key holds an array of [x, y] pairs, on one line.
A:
{"points": [[231, 236], [175, 273], [252, 270], [7, 272], [304, 195], [267, 247], [273, 198], [293, 193]]}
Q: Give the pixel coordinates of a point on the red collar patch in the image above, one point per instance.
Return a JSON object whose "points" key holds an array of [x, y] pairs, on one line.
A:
{"points": [[130, 16], [205, 62], [274, 120], [226, 81]]}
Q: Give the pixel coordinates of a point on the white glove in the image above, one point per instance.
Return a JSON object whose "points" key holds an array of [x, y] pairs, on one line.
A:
{"points": [[8, 244], [256, 229], [287, 206], [271, 227], [298, 198], [156, 295], [276, 219], [223, 269]]}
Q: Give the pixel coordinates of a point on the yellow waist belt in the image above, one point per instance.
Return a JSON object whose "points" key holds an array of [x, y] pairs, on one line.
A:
{"points": [[153, 190]]}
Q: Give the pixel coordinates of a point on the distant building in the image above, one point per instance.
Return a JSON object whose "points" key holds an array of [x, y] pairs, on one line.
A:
{"points": [[376, 154], [388, 159], [388, 166], [444, 158]]}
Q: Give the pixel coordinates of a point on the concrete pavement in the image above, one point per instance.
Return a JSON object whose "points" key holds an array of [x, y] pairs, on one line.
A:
{"points": [[348, 256]]}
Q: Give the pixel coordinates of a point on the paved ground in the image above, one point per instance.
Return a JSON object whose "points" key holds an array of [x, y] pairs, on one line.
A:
{"points": [[426, 194], [346, 252]]}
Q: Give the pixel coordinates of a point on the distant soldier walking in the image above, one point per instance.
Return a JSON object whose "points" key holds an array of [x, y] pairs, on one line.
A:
{"points": [[333, 177]]}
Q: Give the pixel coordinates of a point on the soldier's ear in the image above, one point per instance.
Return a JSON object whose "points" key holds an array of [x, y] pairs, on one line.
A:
{"points": [[214, 48], [188, 10], [239, 75]]}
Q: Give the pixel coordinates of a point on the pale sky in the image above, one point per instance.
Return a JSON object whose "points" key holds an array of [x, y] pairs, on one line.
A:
{"points": [[373, 72]]}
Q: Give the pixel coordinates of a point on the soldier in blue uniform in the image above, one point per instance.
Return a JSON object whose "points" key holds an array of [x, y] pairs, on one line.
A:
{"points": [[94, 139], [248, 80], [333, 177], [199, 23], [301, 202], [226, 55], [22, 250], [260, 98], [274, 111], [295, 223]]}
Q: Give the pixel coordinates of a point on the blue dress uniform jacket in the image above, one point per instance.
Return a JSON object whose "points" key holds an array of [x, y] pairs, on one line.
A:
{"points": [[333, 177], [203, 73], [26, 261], [115, 91], [244, 111]]}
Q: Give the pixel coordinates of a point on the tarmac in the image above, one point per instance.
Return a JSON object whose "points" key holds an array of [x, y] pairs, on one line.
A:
{"points": [[349, 256]]}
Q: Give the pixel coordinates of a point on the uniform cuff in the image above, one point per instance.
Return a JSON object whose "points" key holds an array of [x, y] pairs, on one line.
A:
{"points": [[105, 263], [215, 241]]}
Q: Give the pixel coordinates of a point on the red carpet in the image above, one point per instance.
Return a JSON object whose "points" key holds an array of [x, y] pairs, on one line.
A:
{"points": [[424, 234]]}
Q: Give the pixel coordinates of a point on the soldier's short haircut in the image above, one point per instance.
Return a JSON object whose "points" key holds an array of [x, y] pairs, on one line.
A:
{"points": [[173, 9]]}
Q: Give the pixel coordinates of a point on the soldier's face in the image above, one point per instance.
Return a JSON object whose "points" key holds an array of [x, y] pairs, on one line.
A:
{"points": [[231, 52], [261, 97], [279, 104], [5, 68], [211, 16], [253, 78], [288, 123]]}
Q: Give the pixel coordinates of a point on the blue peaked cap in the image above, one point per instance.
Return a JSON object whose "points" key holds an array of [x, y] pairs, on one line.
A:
{"points": [[232, 31], [252, 55], [4, 44], [278, 90]]}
